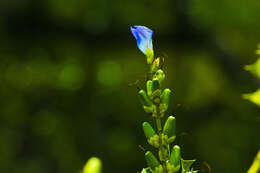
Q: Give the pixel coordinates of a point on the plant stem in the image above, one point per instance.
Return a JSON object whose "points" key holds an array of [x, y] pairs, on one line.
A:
{"points": [[159, 124], [161, 148]]}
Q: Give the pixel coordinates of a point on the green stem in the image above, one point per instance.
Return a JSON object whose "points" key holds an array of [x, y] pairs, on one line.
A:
{"points": [[161, 148], [159, 125], [159, 130]]}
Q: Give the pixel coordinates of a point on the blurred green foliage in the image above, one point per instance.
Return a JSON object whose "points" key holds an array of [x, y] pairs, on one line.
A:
{"points": [[69, 72], [93, 165], [254, 69]]}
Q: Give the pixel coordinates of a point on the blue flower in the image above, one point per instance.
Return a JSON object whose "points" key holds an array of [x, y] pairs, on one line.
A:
{"points": [[143, 36]]}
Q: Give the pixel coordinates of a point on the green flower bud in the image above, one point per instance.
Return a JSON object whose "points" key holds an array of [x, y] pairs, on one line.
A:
{"points": [[149, 56], [93, 165], [148, 130], [156, 91], [170, 128], [151, 160], [144, 99], [175, 158], [156, 84], [165, 97], [160, 75], [155, 65], [149, 109], [164, 139], [149, 88]]}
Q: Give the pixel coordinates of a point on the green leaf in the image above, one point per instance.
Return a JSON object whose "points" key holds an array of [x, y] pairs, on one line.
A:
{"points": [[186, 164]]}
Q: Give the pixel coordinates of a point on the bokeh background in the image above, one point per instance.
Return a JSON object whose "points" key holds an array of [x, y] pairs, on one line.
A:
{"points": [[69, 72]]}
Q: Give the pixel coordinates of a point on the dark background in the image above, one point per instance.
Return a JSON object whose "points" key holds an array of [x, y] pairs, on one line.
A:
{"points": [[66, 66]]}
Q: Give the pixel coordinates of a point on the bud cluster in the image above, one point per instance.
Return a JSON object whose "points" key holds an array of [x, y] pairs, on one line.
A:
{"points": [[155, 101]]}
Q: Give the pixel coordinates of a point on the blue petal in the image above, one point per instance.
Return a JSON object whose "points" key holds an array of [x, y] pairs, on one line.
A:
{"points": [[143, 36], [144, 31]]}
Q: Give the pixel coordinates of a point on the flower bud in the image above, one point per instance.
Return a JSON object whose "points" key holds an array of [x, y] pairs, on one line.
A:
{"points": [[160, 75], [144, 98], [151, 160], [175, 158], [155, 65], [165, 97], [149, 88], [156, 91], [170, 128], [149, 109], [148, 130], [154, 141], [156, 84]]}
